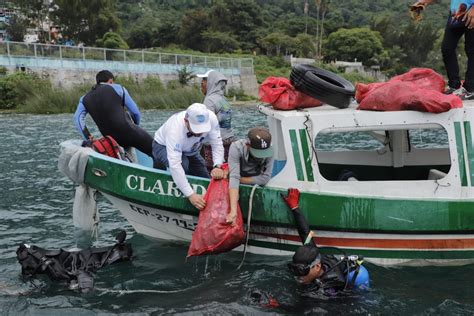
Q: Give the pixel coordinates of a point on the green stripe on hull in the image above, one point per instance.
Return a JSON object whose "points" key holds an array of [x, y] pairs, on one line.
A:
{"points": [[306, 155], [388, 254], [296, 155], [470, 150], [329, 212], [460, 150]]}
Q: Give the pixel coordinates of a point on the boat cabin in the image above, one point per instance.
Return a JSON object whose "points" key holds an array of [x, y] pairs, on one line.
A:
{"points": [[390, 154]]}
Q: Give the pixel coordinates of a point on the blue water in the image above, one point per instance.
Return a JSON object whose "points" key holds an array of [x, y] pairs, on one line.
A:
{"points": [[36, 207]]}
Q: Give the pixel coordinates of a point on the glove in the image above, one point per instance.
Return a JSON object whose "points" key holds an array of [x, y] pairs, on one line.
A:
{"points": [[292, 198]]}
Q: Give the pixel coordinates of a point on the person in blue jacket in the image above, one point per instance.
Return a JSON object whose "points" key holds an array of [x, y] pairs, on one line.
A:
{"points": [[460, 22], [317, 273], [115, 114]]}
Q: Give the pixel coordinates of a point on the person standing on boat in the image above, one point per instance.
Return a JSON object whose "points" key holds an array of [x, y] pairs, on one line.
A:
{"points": [[177, 144], [213, 85], [320, 274], [108, 103], [460, 22], [250, 162]]}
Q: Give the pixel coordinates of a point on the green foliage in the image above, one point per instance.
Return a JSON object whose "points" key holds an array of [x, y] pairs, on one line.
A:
{"points": [[219, 42], [3, 71], [83, 20], [238, 94], [17, 28], [15, 88], [112, 40], [350, 44], [185, 75]]}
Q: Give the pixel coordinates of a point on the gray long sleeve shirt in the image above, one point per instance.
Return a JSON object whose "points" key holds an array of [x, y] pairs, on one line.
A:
{"points": [[242, 164]]}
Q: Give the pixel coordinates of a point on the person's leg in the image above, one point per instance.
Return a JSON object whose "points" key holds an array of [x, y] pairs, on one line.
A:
{"points": [[197, 166], [448, 49], [160, 158], [469, 47]]}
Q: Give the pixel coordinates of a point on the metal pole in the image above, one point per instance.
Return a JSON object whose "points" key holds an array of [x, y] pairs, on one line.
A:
{"points": [[176, 59], [124, 56], [191, 59], [83, 53], [143, 56], [60, 52], [159, 58], [105, 55], [34, 46], [205, 61], [8, 49]]}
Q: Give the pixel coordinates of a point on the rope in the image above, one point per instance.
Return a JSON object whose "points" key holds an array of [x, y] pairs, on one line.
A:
{"points": [[121, 292], [95, 227], [249, 217]]}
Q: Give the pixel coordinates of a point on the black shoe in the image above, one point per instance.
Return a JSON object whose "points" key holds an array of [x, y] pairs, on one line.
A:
{"points": [[467, 96], [450, 90]]}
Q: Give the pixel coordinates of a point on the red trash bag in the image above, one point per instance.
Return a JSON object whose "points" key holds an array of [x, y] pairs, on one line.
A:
{"points": [[213, 235], [423, 78], [401, 95], [281, 94]]}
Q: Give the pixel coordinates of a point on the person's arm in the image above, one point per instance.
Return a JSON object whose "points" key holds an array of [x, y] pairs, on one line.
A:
{"points": [[234, 181], [80, 120], [132, 107], [265, 176], [292, 200], [215, 140], [174, 154]]}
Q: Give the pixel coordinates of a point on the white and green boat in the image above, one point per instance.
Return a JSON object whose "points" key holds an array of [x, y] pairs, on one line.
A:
{"points": [[395, 187]]}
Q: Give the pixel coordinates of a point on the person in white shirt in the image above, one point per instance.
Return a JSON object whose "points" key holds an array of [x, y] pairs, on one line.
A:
{"points": [[177, 144]]}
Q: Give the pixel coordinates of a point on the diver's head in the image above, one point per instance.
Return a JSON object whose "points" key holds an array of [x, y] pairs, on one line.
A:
{"points": [[104, 76], [306, 264]]}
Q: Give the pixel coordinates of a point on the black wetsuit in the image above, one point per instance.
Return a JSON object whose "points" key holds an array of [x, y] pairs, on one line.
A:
{"points": [[107, 109], [333, 279]]}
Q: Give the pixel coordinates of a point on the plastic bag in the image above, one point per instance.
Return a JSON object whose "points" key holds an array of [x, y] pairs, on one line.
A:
{"points": [[400, 95], [423, 78], [281, 94], [213, 235]]}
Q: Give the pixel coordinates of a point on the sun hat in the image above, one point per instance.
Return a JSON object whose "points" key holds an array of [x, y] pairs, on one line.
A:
{"points": [[198, 117], [260, 141]]}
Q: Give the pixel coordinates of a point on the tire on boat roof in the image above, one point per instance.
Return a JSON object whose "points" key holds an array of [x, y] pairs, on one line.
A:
{"points": [[323, 85]]}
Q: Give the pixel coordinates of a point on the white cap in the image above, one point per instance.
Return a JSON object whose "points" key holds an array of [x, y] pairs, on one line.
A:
{"points": [[205, 75], [198, 117]]}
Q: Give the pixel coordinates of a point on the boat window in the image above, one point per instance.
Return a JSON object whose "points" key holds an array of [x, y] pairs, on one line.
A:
{"points": [[392, 154]]}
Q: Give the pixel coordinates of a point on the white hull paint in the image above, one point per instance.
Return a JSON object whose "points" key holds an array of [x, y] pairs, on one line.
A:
{"points": [[166, 225]]}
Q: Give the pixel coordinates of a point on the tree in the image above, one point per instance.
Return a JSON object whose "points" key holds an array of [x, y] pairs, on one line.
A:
{"points": [[85, 20], [16, 29], [35, 12], [112, 40], [350, 44], [219, 42], [305, 45], [194, 23], [275, 43]]}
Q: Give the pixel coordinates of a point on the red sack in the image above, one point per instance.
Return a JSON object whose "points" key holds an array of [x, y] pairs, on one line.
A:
{"points": [[401, 95], [213, 235], [281, 94], [424, 78]]}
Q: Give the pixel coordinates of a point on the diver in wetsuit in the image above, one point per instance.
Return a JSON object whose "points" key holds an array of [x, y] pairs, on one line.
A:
{"points": [[108, 103], [320, 274]]}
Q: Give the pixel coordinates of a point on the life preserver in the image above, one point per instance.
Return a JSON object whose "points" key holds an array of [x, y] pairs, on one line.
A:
{"points": [[323, 85]]}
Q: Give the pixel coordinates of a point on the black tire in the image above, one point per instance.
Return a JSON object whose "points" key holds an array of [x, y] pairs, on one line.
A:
{"points": [[323, 85]]}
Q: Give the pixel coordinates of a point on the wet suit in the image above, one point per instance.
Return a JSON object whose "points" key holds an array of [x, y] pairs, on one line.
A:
{"points": [[331, 282], [106, 103]]}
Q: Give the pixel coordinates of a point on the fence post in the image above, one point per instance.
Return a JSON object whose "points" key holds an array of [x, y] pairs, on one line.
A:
{"points": [[60, 53], [34, 46], [205, 61], [176, 59], [124, 56], [8, 48], [143, 56], [159, 58], [219, 62], [105, 55], [191, 59], [83, 53]]}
